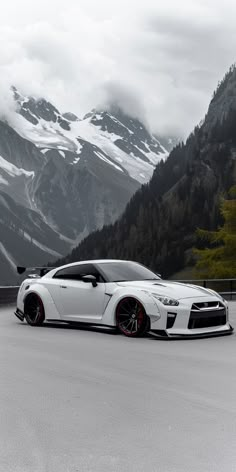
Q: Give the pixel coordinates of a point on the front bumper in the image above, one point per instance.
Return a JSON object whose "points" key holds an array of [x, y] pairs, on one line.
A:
{"points": [[197, 333], [173, 334], [186, 321]]}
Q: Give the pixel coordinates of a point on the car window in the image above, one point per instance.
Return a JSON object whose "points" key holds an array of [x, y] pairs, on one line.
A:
{"points": [[126, 271], [77, 272]]}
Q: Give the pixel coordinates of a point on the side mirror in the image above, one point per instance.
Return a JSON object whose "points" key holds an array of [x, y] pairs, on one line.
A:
{"points": [[90, 279]]}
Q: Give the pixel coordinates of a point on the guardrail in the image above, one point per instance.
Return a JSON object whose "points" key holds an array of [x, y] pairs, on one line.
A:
{"points": [[226, 288], [8, 295]]}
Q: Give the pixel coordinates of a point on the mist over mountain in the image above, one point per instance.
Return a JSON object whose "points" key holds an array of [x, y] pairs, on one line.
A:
{"points": [[159, 224]]}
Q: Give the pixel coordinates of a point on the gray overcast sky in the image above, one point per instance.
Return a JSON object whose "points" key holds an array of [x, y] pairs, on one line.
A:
{"points": [[158, 58]]}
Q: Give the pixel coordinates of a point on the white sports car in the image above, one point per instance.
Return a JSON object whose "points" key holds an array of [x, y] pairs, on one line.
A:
{"points": [[124, 295]]}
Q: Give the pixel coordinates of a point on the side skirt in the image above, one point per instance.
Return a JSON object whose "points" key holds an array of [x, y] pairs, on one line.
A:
{"points": [[80, 323]]}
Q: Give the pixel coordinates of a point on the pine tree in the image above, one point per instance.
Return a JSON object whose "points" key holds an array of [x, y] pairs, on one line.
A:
{"points": [[218, 260]]}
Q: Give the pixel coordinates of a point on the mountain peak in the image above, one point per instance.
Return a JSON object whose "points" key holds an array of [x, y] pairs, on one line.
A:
{"points": [[129, 134], [109, 135], [36, 109]]}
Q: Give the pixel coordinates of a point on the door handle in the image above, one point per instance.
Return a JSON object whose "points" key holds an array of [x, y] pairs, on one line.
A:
{"points": [[63, 286]]}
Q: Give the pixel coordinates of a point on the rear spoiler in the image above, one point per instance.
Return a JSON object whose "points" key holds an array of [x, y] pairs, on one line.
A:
{"points": [[42, 270]]}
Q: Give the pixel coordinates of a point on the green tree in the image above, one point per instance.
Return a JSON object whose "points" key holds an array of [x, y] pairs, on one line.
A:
{"points": [[218, 260]]}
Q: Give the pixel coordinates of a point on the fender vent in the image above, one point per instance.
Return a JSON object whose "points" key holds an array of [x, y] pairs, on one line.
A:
{"points": [[170, 320]]}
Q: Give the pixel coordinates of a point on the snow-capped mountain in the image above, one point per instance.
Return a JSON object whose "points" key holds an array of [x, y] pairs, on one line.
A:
{"points": [[120, 141], [62, 177]]}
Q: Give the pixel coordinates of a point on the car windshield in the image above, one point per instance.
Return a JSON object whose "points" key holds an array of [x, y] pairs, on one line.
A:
{"points": [[125, 272]]}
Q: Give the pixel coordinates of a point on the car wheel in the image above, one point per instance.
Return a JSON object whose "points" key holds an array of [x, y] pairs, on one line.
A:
{"points": [[34, 310], [131, 317]]}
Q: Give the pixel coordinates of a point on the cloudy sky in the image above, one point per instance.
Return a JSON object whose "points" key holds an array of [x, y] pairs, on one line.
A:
{"points": [[158, 59]]}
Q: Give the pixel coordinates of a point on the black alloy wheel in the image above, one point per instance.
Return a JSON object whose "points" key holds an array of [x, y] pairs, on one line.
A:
{"points": [[34, 310], [131, 317]]}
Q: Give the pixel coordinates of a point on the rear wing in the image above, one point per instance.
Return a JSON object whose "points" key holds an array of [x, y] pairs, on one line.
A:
{"points": [[41, 270]]}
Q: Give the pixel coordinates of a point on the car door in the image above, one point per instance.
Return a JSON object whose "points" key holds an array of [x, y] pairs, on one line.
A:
{"points": [[80, 301]]}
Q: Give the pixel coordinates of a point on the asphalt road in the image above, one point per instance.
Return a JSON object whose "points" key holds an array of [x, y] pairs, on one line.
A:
{"points": [[79, 400]]}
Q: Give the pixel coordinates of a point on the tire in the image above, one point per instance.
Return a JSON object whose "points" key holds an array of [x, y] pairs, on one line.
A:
{"points": [[34, 310], [131, 318]]}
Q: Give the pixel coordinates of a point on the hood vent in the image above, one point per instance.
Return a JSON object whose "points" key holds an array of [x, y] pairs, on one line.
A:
{"points": [[159, 285]]}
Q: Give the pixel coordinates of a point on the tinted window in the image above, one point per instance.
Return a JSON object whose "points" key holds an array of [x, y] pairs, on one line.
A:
{"points": [[125, 271], [77, 272]]}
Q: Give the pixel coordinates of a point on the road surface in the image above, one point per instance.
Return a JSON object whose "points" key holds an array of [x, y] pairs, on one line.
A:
{"points": [[80, 400]]}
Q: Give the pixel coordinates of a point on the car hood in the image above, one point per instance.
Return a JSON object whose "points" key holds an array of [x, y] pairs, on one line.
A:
{"points": [[167, 288]]}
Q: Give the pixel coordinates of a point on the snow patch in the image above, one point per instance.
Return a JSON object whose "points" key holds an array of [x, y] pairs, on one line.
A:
{"points": [[7, 256], [3, 181], [12, 170], [165, 152], [41, 246], [101, 156], [80, 147]]}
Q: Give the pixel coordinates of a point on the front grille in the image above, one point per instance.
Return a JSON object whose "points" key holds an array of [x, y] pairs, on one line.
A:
{"points": [[206, 315], [207, 306]]}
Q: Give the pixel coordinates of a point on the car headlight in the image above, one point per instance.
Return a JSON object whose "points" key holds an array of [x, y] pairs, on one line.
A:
{"points": [[166, 300]]}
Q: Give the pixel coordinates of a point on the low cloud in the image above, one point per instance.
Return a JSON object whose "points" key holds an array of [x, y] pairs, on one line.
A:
{"points": [[8, 105], [123, 97], [158, 60]]}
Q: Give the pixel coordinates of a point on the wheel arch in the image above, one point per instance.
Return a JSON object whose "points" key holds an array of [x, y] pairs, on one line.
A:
{"points": [[42, 292], [144, 298]]}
